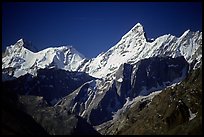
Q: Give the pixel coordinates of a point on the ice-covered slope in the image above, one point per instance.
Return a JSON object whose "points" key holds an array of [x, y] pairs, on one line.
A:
{"points": [[134, 46], [19, 60]]}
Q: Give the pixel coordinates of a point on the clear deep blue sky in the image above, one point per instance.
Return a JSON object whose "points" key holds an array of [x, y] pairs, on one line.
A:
{"points": [[92, 28]]}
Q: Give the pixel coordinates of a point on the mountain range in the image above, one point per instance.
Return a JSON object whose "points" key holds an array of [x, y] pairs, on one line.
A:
{"points": [[103, 88]]}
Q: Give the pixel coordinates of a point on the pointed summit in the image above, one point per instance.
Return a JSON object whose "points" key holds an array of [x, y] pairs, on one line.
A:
{"points": [[26, 44], [138, 28], [185, 33], [136, 31], [138, 24]]}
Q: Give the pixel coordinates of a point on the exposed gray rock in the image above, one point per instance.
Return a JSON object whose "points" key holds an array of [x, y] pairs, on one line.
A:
{"points": [[99, 99]]}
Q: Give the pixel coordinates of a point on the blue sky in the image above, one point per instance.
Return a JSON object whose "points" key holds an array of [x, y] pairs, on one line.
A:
{"points": [[94, 27]]}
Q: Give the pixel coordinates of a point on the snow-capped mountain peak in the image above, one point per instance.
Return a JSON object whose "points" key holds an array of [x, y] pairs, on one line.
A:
{"points": [[128, 47], [185, 33], [134, 46], [23, 60], [26, 44], [136, 31], [131, 48], [20, 42], [138, 27]]}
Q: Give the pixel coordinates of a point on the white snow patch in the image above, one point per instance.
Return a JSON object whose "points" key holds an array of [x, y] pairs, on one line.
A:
{"points": [[19, 73], [129, 103], [120, 80], [192, 115]]}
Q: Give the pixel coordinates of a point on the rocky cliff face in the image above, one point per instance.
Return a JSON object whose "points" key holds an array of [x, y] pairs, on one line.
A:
{"points": [[175, 110], [151, 75]]}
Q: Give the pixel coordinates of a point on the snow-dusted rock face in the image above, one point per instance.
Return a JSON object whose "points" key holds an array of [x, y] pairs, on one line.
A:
{"points": [[134, 46], [98, 100], [133, 67], [23, 60]]}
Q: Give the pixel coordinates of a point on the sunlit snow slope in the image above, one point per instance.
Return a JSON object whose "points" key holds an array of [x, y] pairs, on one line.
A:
{"points": [[134, 46], [23, 61]]}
